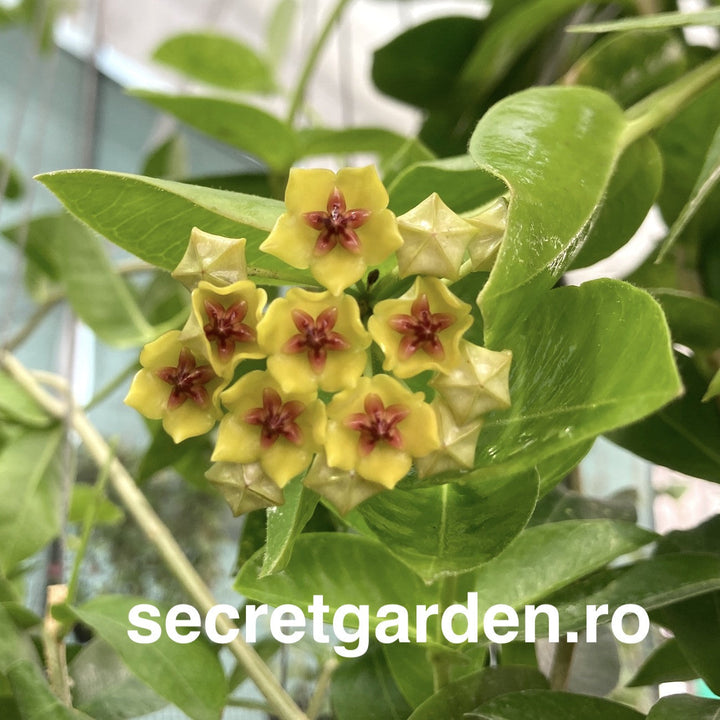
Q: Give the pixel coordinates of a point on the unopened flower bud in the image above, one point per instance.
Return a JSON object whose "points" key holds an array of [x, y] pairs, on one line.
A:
{"points": [[244, 487], [214, 258]]}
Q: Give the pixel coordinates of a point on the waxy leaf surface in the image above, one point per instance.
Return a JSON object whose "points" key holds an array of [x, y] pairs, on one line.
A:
{"points": [[686, 707]]}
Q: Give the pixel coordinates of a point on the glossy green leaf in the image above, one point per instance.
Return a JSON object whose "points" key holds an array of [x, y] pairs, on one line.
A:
{"points": [[190, 675], [464, 695], [384, 143], [344, 569], [666, 663], [463, 526], [625, 350], [33, 696], [169, 160], [363, 689], [17, 406], [556, 468], [713, 388], [545, 704], [631, 65], [631, 193], [653, 22], [285, 523], [244, 127], [421, 66], [105, 689], [538, 563], [694, 320], [458, 180], [216, 59], [410, 666], [279, 29], [553, 198], [686, 707], [29, 486], [705, 184], [684, 436], [153, 218]]}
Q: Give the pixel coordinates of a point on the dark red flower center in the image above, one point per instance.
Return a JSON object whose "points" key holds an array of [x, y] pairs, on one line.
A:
{"points": [[276, 419], [420, 329], [225, 326], [187, 380], [316, 336], [377, 424], [337, 225]]}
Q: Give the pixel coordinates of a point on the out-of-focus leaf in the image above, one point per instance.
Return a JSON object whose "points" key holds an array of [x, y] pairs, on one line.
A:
{"points": [[17, 406], [285, 523], [694, 320], [463, 526], [653, 22], [461, 184], [216, 59], [33, 696], [462, 696], [686, 707], [168, 160], [14, 185], [83, 496], [553, 198], [666, 664], [279, 29], [153, 218], [244, 127], [631, 65], [189, 676], [29, 486], [684, 436], [713, 388]]}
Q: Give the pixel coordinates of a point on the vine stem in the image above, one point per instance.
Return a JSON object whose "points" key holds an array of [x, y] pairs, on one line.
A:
{"points": [[157, 533], [311, 61]]}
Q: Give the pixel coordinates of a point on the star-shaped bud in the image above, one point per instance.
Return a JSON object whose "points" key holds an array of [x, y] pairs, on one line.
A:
{"points": [[279, 430], [434, 240], [223, 323], [457, 443], [377, 428], [420, 330], [335, 224], [479, 384], [244, 487], [314, 340], [177, 386], [213, 258], [489, 232], [345, 489]]}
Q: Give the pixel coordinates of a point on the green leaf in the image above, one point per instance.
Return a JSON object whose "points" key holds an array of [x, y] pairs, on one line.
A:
{"points": [[626, 350], [29, 486], [244, 127], [713, 388], [653, 22], [363, 689], [279, 29], [631, 65], [33, 696], [458, 180], [463, 526], [14, 645], [562, 504], [83, 497], [168, 160], [631, 193], [686, 707], [464, 695], [285, 523], [420, 66], [410, 666], [544, 704], [153, 218], [105, 689], [344, 569], [705, 184], [694, 319], [684, 436], [14, 187], [385, 143], [553, 198], [190, 676], [666, 663], [17, 406], [216, 59], [538, 563]]}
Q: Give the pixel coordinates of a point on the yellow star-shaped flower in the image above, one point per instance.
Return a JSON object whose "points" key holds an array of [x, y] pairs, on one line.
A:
{"points": [[377, 428], [279, 430], [335, 224], [176, 386], [420, 330], [314, 340]]}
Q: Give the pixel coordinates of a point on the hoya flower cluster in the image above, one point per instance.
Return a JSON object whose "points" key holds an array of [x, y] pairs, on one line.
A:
{"points": [[296, 384]]}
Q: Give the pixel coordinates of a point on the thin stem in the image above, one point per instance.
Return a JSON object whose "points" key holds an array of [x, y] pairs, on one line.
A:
{"points": [[54, 647], [323, 683], [158, 534], [112, 386], [298, 96], [659, 107], [88, 524]]}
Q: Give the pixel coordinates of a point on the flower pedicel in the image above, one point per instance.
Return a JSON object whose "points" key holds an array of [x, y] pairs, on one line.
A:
{"points": [[321, 408]]}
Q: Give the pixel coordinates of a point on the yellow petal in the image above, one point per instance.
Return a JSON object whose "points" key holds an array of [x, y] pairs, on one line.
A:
{"points": [[379, 237], [362, 188], [308, 189], [292, 240], [148, 394], [338, 269]]}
